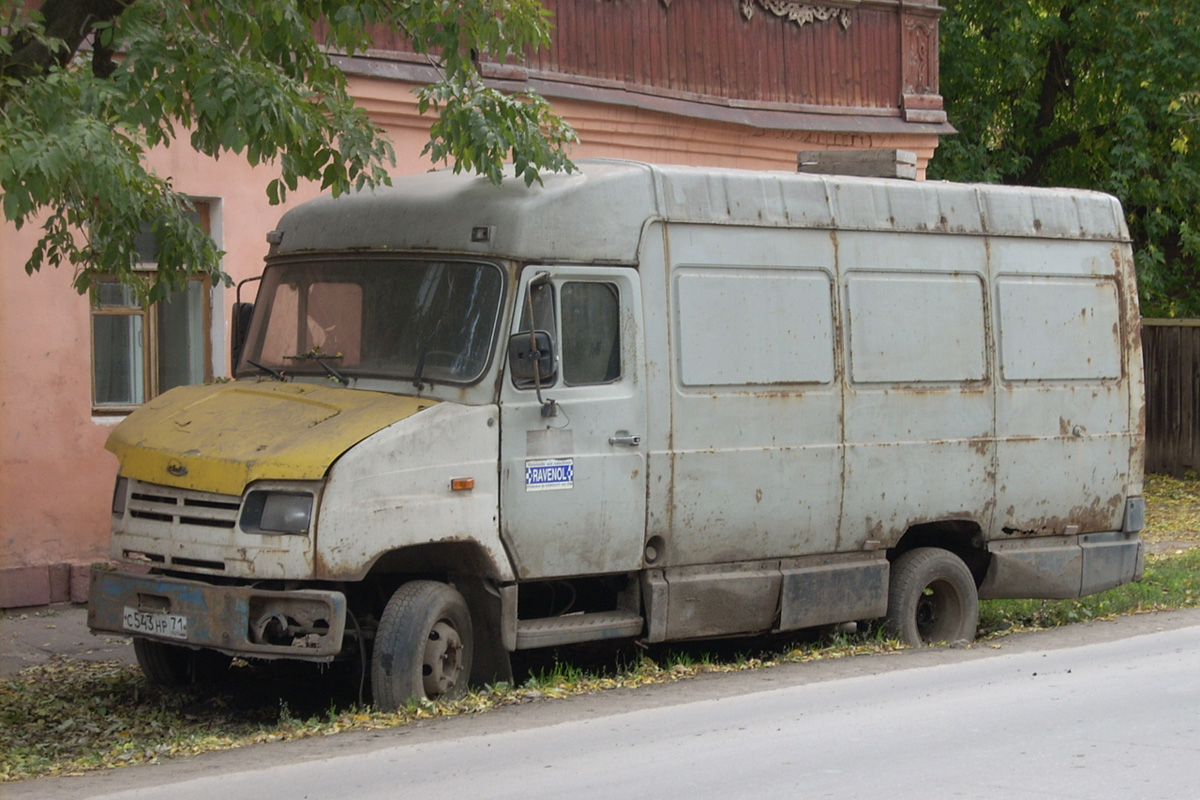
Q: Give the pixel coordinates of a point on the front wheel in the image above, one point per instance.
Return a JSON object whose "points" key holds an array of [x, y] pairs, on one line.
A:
{"points": [[423, 647], [174, 666], [931, 598]]}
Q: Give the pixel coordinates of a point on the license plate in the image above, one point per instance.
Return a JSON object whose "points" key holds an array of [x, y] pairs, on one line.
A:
{"points": [[171, 626]]}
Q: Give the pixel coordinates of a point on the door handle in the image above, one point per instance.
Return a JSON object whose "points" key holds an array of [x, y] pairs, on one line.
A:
{"points": [[626, 438]]}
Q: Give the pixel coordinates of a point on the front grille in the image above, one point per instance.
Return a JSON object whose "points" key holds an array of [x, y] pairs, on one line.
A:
{"points": [[199, 563], [183, 507]]}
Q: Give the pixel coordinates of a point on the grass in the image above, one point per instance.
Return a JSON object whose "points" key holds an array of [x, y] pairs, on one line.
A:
{"points": [[68, 717], [1172, 509]]}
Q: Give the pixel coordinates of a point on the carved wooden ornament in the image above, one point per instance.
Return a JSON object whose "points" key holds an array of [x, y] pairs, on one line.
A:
{"points": [[800, 13]]}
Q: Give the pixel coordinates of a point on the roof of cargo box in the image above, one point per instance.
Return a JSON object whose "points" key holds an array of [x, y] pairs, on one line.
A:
{"points": [[597, 214]]}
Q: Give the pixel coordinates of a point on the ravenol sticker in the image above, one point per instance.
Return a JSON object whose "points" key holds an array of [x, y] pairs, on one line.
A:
{"points": [[549, 473]]}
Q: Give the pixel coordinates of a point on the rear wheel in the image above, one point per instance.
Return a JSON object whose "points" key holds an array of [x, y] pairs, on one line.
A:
{"points": [[423, 647], [932, 598], [174, 666]]}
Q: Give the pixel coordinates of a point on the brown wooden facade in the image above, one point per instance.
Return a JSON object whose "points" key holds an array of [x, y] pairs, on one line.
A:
{"points": [[853, 67]]}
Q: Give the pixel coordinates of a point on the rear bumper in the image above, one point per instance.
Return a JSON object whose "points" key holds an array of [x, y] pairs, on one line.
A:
{"points": [[305, 624]]}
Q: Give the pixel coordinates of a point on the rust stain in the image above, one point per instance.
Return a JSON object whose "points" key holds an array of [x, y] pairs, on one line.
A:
{"points": [[1099, 515], [875, 530]]}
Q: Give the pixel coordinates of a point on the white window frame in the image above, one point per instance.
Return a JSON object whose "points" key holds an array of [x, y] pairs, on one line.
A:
{"points": [[150, 345]]}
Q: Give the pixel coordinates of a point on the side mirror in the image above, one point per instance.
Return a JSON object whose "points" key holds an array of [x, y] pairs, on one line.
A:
{"points": [[531, 357], [239, 328]]}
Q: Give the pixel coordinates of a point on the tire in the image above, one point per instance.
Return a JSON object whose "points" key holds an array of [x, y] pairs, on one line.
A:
{"points": [[932, 598], [173, 666], [423, 647]]}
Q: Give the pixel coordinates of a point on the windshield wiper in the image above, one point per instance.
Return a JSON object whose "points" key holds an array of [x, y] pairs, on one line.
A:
{"points": [[274, 373], [322, 358], [419, 370], [333, 373]]}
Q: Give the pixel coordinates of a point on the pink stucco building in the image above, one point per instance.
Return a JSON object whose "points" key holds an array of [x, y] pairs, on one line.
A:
{"points": [[730, 83]]}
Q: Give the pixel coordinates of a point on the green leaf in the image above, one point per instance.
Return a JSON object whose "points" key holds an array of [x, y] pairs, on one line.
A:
{"points": [[244, 77]]}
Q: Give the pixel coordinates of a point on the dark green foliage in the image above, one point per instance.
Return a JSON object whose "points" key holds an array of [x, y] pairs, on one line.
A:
{"points": [[1097, 94]]}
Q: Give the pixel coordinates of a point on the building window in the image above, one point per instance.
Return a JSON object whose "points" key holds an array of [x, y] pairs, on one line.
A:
{"points": [[140, 352]]}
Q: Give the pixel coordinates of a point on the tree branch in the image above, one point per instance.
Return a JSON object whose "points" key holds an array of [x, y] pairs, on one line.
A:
{"points": [[1037, 161], [70, 22]]}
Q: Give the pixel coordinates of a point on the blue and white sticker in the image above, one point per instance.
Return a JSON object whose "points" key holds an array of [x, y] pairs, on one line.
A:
{"points": [[549, 473]]}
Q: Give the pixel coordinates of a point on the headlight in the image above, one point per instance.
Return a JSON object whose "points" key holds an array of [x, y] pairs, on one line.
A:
{"points": [[277, 512], [120, 495]]}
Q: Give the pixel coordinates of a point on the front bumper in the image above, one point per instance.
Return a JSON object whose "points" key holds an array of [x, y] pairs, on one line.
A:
{"points": [[305, 624]]}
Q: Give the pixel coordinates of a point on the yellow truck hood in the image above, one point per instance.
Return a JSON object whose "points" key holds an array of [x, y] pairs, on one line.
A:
{"points": [[220, 438]]}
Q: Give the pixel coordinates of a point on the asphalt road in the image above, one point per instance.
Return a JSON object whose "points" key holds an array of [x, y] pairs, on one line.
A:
{"points": [[1104, 710]]}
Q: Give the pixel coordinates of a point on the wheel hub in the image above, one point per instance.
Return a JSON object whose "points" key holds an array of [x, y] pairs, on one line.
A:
{"points": [[934, 617], [443, 660]]}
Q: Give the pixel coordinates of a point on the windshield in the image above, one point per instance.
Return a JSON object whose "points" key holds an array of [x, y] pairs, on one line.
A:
{"points": [[421, 320]]}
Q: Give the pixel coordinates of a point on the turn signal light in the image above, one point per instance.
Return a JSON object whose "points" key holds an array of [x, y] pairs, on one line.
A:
{"points": [[462, 484]]}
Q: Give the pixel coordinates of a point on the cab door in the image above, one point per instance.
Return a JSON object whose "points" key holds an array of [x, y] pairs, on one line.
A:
{"points": [[572, 442]]}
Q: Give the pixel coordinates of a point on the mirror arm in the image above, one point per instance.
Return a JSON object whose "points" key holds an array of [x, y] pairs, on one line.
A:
{"points": [[239, 325], [549, 406]]}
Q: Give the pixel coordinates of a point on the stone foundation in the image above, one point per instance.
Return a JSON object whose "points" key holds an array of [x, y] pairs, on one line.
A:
{"points": [[43, 585]]}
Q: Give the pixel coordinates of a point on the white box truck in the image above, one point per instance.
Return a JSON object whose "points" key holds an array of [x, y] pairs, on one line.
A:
{"points": [[638, 401]]}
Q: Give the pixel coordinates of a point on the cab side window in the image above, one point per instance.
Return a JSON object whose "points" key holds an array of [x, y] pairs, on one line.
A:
{"points": [[591, 333]]}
